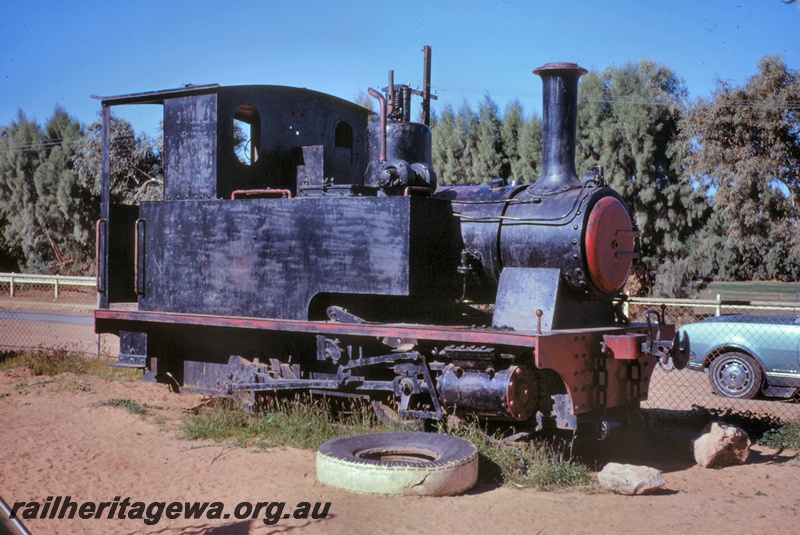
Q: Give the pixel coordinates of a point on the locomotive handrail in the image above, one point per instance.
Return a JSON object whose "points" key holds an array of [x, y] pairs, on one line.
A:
{"points": [[515, 220], [418, 190], [382, 101], [99, 255], [139, 256], [279, 193], [561, 220]]}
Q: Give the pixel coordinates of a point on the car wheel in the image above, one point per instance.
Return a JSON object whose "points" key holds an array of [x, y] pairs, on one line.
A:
{"points": [[735, 375], [428, 464]]}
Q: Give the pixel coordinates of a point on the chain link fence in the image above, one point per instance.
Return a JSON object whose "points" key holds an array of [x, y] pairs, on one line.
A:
{"points": [[747, 353], [746, 357], [47, 312]]}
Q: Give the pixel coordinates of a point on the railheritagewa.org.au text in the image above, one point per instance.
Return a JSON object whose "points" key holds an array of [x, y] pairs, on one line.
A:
{"points": [[151, 513]]}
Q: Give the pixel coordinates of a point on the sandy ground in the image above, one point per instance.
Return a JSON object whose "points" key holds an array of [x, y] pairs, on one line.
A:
{"points": [[57, 440]]}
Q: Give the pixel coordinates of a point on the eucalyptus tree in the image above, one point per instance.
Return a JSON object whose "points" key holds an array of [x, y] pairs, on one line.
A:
{"points": [[136, 167], [22, 147], [745, 147], [629, 120], [45, 212]]}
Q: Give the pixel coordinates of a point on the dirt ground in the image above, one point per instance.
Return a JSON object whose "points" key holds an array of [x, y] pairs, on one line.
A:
{"points": [[58, 440]]}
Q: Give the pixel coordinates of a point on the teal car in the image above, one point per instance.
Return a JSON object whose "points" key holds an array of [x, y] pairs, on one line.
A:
{"points": [[748, 355]]}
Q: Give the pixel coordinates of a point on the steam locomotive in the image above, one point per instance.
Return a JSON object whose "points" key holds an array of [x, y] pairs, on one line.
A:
{"points": [[323, 258]]}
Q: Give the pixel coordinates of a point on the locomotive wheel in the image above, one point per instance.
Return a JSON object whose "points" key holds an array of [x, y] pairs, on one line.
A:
{"points": [[426, 464], [735, 375]]}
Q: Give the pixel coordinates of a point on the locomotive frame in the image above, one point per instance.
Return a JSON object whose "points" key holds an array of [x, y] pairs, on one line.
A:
{"points": [[329, 262]]}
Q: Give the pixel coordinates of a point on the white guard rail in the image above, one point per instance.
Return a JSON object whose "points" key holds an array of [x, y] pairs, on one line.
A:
{"points": [[56, 281]]}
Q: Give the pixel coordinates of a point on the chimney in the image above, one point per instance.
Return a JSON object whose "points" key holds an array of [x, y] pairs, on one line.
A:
{"points": [[559, 124]]}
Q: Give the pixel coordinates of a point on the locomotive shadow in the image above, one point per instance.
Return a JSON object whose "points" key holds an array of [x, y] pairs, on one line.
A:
{"points": [[668, 450], [666, 441]]}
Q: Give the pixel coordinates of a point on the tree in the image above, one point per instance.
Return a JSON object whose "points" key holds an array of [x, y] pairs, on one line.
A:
{"points": [[364, 100], [487, 161], [21, 151], [136, 166], [745, 147], [628, 123], [65, 209], [47, 214], [452, 145], [522, 144], [50, 181]]}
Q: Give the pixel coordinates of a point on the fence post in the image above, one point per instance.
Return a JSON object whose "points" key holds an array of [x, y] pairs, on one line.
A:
{"points": [[718, 308], [55, 291], [11, 285]]}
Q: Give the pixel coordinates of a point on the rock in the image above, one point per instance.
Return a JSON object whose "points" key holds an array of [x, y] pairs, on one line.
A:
{"points": [[630, 479], [721, 445]]}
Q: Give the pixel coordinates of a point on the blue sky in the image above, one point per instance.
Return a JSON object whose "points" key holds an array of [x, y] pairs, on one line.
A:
{"points": [[61, 52]]}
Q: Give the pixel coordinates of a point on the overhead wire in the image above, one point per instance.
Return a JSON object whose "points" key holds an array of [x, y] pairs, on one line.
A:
{"points": [[49, 143]]}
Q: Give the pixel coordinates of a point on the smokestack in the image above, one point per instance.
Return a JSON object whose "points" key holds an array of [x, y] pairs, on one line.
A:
{"points": [[559, 124]]}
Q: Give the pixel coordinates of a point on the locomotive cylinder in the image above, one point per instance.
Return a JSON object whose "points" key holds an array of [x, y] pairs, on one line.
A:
{"points": [[508, 394]]}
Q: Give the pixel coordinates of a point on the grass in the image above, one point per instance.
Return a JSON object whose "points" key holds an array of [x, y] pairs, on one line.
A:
{"points": [[131, 406], [52, 362], [538, 463], [299, 422], [772, 291], [783, 437]]}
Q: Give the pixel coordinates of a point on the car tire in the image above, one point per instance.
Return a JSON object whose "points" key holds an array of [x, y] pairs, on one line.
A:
{"points": [[429, 464], [736, 375]]}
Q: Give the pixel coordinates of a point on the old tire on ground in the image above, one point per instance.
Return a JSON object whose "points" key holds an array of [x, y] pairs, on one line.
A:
{"points": [[427, 464], [735, 375]]}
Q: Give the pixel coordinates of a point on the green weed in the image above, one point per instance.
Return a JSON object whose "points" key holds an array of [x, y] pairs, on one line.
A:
{"points": [[537, 463], [300, 422], [784, 437], [129, 404], [751, 291], [54, 361]]}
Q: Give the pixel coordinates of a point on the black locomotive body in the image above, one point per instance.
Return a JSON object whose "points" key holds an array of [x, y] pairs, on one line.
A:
{"points": [[326, 260]]}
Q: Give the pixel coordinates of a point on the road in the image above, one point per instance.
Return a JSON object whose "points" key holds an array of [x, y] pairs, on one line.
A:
{"points": [[73, 318], [22, 328]]}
